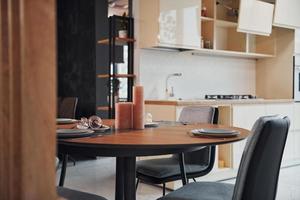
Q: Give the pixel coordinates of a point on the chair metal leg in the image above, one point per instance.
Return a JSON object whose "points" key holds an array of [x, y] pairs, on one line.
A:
{"points": [[73, 160], [137, 184], [194, 180], [164, 189], [182, 169], [63, 170]]}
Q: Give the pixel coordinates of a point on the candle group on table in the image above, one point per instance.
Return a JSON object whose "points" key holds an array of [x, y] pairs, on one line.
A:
{"points": [[131, 114], [124, 115]]}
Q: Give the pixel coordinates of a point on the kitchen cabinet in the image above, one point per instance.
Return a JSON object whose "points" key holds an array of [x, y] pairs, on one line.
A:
{"points": [[244, 116], [169, 23], [287, 13], [162, 112], [181, 25], [255, 17]]}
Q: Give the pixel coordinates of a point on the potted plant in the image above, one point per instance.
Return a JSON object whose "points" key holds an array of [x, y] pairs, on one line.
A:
{"points": [[123, 27]]}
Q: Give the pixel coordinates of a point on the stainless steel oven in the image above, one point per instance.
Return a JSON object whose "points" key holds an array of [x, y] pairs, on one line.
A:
{"points": [[297, 78]]}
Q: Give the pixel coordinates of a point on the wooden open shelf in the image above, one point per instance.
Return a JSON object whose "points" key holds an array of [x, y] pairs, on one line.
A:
{"points": [[206, 19], [116, 75], [227, 53], [103, 108], [119, 41], [226, 24]]}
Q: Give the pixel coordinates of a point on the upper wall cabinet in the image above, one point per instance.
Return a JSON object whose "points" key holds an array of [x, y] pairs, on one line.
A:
{"points": [[173, 23], [206, 27], [287, 13], [179, 23], [255, 17]]}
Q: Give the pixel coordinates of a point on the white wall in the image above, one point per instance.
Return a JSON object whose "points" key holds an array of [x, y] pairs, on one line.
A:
{"points": [[200, 74]]}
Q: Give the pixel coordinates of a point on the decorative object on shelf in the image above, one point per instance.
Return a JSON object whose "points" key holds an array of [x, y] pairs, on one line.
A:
{"points": [[124, 118], [138, 107], [231, 12], [202, 42], [207, 44], [204, 11], [123, 27]]}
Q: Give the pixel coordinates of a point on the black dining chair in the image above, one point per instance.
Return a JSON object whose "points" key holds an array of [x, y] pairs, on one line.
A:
{"points": [[66, 108], [197, 163], [258, 172], [74, 194]]}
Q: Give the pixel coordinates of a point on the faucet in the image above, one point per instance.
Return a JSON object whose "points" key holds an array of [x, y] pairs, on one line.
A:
{"points": [[171, 94]]}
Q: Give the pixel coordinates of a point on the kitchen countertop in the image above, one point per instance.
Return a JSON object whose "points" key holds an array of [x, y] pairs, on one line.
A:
{"points": [[190, 102]]}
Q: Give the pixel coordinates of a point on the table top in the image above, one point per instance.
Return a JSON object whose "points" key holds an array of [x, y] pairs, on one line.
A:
{"points": [[165, 139]]}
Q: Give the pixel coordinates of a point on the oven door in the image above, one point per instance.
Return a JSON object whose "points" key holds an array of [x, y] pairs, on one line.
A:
{"points": [[297, 83]]}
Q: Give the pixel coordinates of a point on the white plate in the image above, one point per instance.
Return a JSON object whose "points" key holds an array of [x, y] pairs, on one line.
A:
{"points": [[102, 129], [215, 132], [65, 121], [72, 131], [151, 124]]}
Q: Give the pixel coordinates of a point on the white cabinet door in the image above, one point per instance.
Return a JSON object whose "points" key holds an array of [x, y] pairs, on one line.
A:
{"points": [[287, 13], [244, 116], [297, 41], [179, 23], [297, 116], [283, 109], [255, 17]]}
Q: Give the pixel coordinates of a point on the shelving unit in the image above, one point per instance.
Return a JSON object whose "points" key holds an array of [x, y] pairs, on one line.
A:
{"points": [[113, 76], [220, 29]]}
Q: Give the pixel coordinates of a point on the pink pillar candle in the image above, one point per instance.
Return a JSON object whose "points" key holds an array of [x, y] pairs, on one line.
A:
{"points": [[123, 115], [138, 107]]}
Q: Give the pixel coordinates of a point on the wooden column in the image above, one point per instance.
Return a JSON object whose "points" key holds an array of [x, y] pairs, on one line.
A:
{"points": [[27, 99]]}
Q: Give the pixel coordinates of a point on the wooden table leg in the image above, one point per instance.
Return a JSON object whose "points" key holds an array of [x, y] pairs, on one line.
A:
{"points": [[129, 178], [182, 168], [120, 171]]}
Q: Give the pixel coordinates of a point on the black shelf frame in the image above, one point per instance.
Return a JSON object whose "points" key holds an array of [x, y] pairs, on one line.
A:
{"points": [[114, 23]]}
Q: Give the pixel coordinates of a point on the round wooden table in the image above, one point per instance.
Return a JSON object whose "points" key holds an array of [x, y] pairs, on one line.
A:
{"points": [[126, 145]]}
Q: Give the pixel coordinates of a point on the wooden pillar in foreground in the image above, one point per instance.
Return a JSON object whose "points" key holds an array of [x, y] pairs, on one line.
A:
{"points": [[27, 99]]}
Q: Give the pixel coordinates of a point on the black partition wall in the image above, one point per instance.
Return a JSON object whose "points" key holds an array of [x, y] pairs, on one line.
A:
{"points": [[80, 24]]}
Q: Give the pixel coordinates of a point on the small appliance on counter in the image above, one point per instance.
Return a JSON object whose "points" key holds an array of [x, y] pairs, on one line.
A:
{"points": [[230, 97]]}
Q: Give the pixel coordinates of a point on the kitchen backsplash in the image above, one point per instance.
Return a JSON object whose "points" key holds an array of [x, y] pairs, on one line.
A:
{"points": [[200, 74]]}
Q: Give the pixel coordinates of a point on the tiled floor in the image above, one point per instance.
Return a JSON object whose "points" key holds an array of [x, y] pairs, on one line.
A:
{"points": [[97, 176]]}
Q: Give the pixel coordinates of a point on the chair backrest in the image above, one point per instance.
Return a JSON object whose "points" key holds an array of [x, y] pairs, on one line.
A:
{"points": [[200, 114], [197, 114], [66, 107], [259, 169]]}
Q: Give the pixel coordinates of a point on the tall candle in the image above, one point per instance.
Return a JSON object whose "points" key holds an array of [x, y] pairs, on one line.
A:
{"points": [[124, 115], [138, 107]]}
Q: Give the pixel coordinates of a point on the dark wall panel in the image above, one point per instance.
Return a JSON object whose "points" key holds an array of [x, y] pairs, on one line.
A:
{"points": [[102, 53], [77, 53]]}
